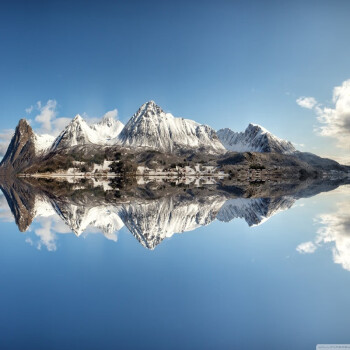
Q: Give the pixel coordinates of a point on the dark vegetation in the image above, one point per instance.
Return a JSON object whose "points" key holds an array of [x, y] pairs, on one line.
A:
{"points": [[125, 162]]}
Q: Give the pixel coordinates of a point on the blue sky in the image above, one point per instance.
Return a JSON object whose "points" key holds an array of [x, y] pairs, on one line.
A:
{"points": [[223, 63]]}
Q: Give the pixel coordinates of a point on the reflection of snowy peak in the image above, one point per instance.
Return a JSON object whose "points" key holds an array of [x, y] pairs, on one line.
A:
{"points": [[43, 206], [151, 127], [79, 218], [255, 139], [154, 220], [151, 222], [78, 132], [253, 210]]}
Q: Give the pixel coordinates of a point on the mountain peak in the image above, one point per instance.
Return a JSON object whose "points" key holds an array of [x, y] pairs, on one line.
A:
{"points": [[257, 127], [149, 108], [23, 123], [255, 138], [21, 149], [150, 104], [151, 127], [78, 118]]}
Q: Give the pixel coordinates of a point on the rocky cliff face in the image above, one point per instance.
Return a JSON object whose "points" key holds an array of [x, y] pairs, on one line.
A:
{"points": [[21, 150]]}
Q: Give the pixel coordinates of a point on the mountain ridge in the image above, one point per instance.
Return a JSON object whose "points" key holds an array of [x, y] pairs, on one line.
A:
{"points": [[255, 138], [151, 129]]}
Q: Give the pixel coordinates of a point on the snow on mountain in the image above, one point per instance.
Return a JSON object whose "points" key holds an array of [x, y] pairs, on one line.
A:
{"points": [[151, 127], [42, 143], [108, 129], [43, 207], [78, 132], [254, 139], [254, 211]]}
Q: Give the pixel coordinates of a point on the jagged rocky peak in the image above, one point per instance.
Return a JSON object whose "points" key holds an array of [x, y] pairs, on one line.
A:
{"points": [[21, 149], [151, 127], [254, 139], [150, 108]]}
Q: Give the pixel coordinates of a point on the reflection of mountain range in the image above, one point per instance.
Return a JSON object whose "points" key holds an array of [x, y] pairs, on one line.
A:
{"points": [[150, 213], [253, 210]]}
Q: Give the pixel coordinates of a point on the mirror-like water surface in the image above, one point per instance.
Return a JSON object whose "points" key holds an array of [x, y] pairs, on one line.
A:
{"points": [[167, 266]]}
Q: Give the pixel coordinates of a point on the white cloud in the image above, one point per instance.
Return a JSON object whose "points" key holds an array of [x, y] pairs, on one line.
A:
{"points": [[306, 102], [336, 229], [47, 114], [29, 109], [47, 237], [335, 120], [306, 248], [47, 121], [29, 241], [5, 212], [111, 114], [5, 138]]}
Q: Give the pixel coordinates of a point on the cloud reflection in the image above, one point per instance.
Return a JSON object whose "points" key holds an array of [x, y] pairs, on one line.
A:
{"points": [[334, 229]]}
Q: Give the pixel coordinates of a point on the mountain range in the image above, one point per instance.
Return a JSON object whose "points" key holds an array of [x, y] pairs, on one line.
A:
{"points": [[149, 129]]}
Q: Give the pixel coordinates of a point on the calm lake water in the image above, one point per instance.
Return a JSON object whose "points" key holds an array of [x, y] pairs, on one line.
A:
{"points": [[280, 284]]}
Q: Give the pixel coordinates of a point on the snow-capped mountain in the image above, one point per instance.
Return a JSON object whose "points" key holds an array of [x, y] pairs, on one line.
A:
{"points": [[254, 139], [151, 127], [79, 132], [43, 143], [108, 129]]}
